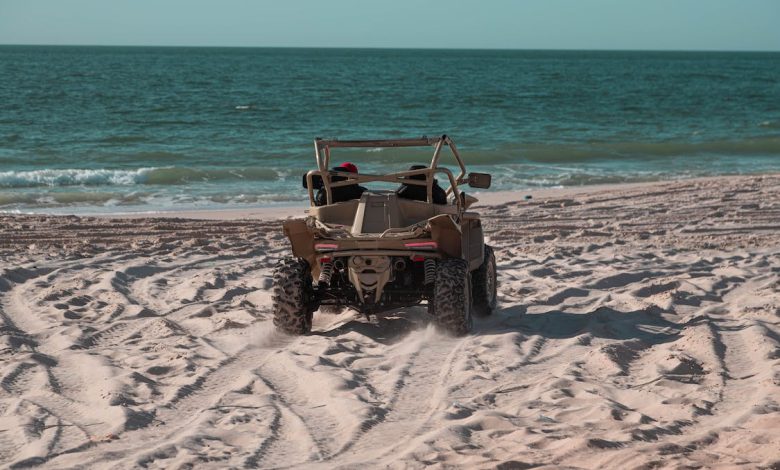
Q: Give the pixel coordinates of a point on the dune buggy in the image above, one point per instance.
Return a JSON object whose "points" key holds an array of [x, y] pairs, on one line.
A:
{"points": [[384, 251]]}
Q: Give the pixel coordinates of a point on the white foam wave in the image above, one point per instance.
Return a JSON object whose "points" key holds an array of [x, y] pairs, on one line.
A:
{"points": [[72, 177]]}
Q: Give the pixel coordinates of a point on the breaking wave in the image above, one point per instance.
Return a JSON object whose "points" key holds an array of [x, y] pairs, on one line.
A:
{"points": [[141, 176]]}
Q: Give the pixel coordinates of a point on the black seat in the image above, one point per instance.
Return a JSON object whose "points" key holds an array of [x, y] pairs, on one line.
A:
{"points": [[341, 193], [419, 193]]}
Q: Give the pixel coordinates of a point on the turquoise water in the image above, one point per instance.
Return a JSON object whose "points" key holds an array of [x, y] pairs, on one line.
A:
{"points": [[111, 129]]}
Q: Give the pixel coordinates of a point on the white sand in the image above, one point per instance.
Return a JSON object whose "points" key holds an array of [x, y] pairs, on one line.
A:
{"points": [[638, 327]]}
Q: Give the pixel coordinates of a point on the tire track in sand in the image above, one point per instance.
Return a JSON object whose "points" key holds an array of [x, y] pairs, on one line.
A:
{"points": [[420, 393], [171, 421]]}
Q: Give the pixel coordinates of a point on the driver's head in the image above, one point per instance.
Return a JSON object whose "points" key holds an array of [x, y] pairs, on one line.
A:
{"points": [[347, 166], [417, 167]]}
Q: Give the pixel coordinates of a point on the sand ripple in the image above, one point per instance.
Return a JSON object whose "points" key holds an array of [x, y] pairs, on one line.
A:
{"points": [[638, 327]]}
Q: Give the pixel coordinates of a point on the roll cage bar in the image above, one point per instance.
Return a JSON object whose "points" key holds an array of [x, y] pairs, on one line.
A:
{"points": [[322, 154]]}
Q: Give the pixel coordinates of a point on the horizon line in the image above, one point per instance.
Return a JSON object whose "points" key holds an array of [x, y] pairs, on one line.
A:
{"points": [[162, 46]]}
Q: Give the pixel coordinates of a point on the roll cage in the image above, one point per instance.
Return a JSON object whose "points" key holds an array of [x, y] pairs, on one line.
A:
{"points": [[322, 154]]}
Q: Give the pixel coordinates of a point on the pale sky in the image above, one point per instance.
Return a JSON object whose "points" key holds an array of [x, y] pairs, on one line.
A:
{"points": [[488, 24]]}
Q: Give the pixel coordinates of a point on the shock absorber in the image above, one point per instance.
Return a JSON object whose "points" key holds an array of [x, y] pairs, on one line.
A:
{"points": [[430, 271], [326, 272]]}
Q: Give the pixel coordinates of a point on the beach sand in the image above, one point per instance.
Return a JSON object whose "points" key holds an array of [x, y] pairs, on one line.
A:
{"points": [[638, 327]]}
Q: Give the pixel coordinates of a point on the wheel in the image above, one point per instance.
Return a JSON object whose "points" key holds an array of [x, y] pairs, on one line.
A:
{"points": [[485, 285], [452, 296], [292, 297]]}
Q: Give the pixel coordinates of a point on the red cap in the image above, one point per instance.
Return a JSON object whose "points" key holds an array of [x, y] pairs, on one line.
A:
{"points": [[350, 167]]}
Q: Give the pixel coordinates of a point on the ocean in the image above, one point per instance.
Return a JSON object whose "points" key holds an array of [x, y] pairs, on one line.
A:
{"points": [[139, 129]]}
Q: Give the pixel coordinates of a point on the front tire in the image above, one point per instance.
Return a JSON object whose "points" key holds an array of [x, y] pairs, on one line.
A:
{"points": [[293, 296], [452, 296], [485, 289]]}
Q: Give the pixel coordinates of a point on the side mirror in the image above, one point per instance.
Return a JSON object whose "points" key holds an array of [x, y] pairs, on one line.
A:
{"points": [[316, 181], [480, 180]]}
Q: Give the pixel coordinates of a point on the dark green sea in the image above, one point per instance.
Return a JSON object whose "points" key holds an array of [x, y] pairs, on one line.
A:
{"points": [[113, 129]]}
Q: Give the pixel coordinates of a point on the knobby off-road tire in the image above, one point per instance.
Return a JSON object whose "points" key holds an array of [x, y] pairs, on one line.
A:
{"points": [[292, 296], [452, 296], [485, 285]]}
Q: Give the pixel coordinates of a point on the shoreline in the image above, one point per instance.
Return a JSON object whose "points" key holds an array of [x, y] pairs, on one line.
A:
{"points": [[292, 209], [99, 232]]}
